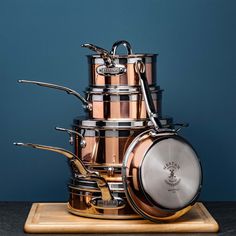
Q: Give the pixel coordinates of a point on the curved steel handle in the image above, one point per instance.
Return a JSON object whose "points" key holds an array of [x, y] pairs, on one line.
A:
{"points": [[87, 174], [71, 132], [87, 105], [106, 56], [153, 116], [125, 43], [71, 156]]}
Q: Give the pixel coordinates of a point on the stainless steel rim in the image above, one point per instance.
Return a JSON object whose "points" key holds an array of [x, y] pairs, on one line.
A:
{"points": [[85, 123]]}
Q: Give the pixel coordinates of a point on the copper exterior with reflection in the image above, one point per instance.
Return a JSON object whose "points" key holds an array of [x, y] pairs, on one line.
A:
{"points": [[107, 141], [129, 78], [81, 195], [121, 106]]}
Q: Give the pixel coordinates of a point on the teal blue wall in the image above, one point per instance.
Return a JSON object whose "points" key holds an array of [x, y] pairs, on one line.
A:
{"points": [[40, 40]]}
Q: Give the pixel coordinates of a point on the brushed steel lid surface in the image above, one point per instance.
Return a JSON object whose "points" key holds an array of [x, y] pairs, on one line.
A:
{"points": [[171, 173]]}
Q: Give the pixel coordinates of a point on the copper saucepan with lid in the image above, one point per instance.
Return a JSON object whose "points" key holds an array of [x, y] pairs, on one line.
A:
{"points": [[110, 69], [111, 103]]}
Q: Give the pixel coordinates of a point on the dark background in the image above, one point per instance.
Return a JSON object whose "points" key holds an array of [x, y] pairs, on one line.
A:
{"points": [[40, 40]]}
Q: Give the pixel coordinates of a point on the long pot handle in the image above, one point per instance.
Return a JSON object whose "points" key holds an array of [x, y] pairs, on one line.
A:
{"points": [[71, 156], [88, 174], [153, 116], [87, 105]]}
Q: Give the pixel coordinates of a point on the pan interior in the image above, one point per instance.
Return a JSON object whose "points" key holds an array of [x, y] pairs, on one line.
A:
{"points": [[171, 173]]}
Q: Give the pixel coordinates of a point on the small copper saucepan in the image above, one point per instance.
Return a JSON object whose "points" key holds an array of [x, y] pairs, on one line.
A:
{"points": [[81, 195], [111, 103], [110, 69], [105, 201], [161, 171]]}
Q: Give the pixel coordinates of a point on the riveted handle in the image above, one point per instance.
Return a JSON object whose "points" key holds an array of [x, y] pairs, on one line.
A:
{"points": [[87, 105]]}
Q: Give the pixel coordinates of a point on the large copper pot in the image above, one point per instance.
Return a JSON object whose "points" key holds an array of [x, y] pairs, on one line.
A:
{"points": [[106, 141]]}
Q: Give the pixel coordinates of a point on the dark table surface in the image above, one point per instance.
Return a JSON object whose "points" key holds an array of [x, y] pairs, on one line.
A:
{"points": [[13, 216]]}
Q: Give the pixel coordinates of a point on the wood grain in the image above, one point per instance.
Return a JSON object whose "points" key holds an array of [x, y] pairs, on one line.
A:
{"points": [[54, 218]]}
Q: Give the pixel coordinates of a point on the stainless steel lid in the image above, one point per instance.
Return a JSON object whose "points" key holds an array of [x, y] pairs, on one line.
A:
{"points": [[124, 59], [170, 173], [115, 63]]}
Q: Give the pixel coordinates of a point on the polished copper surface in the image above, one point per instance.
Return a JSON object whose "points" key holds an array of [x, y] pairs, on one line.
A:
{"points": [[121, 109], [79, 204], [121, 106], [129, 78], [104, 147]]}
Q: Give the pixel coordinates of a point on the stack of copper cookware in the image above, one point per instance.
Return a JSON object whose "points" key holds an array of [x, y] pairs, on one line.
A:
{"points": [[128, 161]]}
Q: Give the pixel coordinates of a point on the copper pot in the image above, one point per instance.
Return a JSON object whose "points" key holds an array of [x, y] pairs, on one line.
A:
{"points": [[81, 195], [126, 103], [111, 103], [109, 69], [106, 141]]}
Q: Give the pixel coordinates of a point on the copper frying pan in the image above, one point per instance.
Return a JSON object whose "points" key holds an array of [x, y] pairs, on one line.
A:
{"points": [[161, 172]]}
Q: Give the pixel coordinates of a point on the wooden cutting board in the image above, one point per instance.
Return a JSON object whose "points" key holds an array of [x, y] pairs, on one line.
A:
{"points": [[54, 218]]}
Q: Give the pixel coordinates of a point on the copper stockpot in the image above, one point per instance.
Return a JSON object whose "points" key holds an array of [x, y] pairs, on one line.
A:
{"points": [[110, 69], [104, 143]]}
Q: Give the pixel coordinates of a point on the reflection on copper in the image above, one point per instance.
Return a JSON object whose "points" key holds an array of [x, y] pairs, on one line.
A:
{"points": [[79, 204], [129, 78]]}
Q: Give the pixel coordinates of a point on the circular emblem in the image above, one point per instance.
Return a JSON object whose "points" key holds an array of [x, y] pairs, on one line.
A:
{"points": [[172, 168]]}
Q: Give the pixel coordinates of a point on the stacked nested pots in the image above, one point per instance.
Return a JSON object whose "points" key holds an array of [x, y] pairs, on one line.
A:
{"points": [[128, 161], [116, 115]]}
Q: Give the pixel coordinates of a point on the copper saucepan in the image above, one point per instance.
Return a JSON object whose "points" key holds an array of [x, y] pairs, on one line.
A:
{"points": [[109, 69], [105, 200], [115, 103], [161, 171], [81, 193]]}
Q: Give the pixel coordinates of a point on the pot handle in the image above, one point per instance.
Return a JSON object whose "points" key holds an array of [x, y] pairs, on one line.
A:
{"points": [[125, 43], [71, 156], [106, 56], [86, 105], [71, 132], [107, 200], [153, 116]]}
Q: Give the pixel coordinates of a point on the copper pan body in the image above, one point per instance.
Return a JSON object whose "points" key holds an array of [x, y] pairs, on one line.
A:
{"points": [[129, 78], [107, 142], [104, 147], [121, 105], [80, 197]]}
